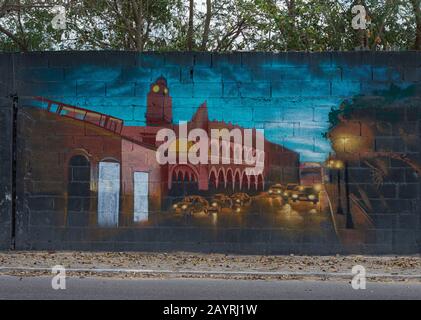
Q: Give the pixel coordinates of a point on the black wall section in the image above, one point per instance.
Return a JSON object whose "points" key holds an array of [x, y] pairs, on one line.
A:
{"points": [[6, 89]]}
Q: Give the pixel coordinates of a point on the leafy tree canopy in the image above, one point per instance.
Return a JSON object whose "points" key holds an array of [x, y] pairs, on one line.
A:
{"points": [[209, 25]]}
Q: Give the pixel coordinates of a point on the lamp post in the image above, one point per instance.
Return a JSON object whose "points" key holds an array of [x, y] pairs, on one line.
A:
{"points": [[349, 222], [338, 166]]}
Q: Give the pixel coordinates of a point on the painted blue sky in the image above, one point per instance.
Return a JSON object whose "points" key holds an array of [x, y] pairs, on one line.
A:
{"points": [[291, 102]]}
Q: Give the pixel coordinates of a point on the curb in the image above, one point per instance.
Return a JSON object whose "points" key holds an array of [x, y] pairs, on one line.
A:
{"points": [[210, 272]]}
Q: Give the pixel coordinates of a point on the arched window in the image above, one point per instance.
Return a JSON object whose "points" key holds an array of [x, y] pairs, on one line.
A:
{"points": [[78, 191], [184, 182]]}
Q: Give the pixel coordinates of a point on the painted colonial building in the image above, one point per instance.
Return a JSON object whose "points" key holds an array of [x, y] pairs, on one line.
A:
{"points": [[106, 174]]}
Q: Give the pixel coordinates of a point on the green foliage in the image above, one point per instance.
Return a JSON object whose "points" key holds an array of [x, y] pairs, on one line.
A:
{"points": [[160, 25], [382, 99]]}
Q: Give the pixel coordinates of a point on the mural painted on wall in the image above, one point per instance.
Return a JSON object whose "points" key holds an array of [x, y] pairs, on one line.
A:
{"points": [[334, 154]]}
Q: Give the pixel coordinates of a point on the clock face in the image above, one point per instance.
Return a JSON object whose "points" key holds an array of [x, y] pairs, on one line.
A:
{"points": [[165, 91], [155, 88]]}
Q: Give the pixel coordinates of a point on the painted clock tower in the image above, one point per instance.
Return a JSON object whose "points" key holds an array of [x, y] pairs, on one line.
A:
{"points": [[159, 104]]}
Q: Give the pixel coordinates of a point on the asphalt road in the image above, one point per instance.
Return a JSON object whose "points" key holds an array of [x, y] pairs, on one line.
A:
{"points": [[200, 289]]}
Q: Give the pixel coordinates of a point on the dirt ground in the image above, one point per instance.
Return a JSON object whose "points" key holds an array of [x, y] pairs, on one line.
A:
{"points": [[183, 264]]}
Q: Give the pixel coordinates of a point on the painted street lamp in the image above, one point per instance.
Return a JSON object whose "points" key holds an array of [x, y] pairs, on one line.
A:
{"points": [[349, 222], [337, 165]]}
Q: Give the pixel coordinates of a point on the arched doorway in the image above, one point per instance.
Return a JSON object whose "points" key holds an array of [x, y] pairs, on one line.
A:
{"points": [[78, 191], [230, 180], [212, 182], [184, 181], [245, 182], [221, 180], [237, 181], [252, 183]]}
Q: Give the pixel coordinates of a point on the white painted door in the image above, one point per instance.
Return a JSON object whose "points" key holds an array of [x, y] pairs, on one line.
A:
{"points": [[141, 196], [108, 194]]}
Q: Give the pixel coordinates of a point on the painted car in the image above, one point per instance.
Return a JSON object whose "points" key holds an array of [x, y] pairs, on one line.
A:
{"points": [[289, 191], [220, 201], [306, 193], [276, 190], [240, 199], [191, 205]]}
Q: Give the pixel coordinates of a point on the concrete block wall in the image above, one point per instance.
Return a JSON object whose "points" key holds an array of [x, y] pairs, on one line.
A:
{"points": [[6, 119], [292, 96]]}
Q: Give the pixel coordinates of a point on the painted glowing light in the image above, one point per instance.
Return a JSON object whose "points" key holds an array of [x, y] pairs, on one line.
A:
{"points": [[317, 187], [335, 164]]}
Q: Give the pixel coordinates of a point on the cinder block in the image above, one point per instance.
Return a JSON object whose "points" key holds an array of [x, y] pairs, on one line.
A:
{"points": [[255, 90], [142, 89], [325, 72], [409, 191], [51, 89], [186, 74], [120, 89], [389, 144], [260, 59], [203, 59], [320, 59], [236, 73], [350, 58], [316, 89], [91, 88], [31, 60], [404, 59], [171, 74], [300, 89], [412, 74], [40, 74], [178, 59], [274, 115], [91, 58], [150, 60], [139, 115], [3, 89], [207, 90], [298, 58], [286, 89], [226, 59], [409, 222], [346, 88], [235, 114], [201, 74], [41, 203], [181, 90], [356, 73], [282, 73], [138, 74], [93, 73], [387, 74], [376, 88]]}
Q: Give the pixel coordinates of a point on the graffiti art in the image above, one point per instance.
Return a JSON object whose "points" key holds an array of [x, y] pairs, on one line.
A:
{"points": [[163, 155]]}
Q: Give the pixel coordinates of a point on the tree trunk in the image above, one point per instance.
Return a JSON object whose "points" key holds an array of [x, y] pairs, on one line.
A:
{"points": [[139, 22], [207, 25], [416, 4], [190, 30], [291, 7]]}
